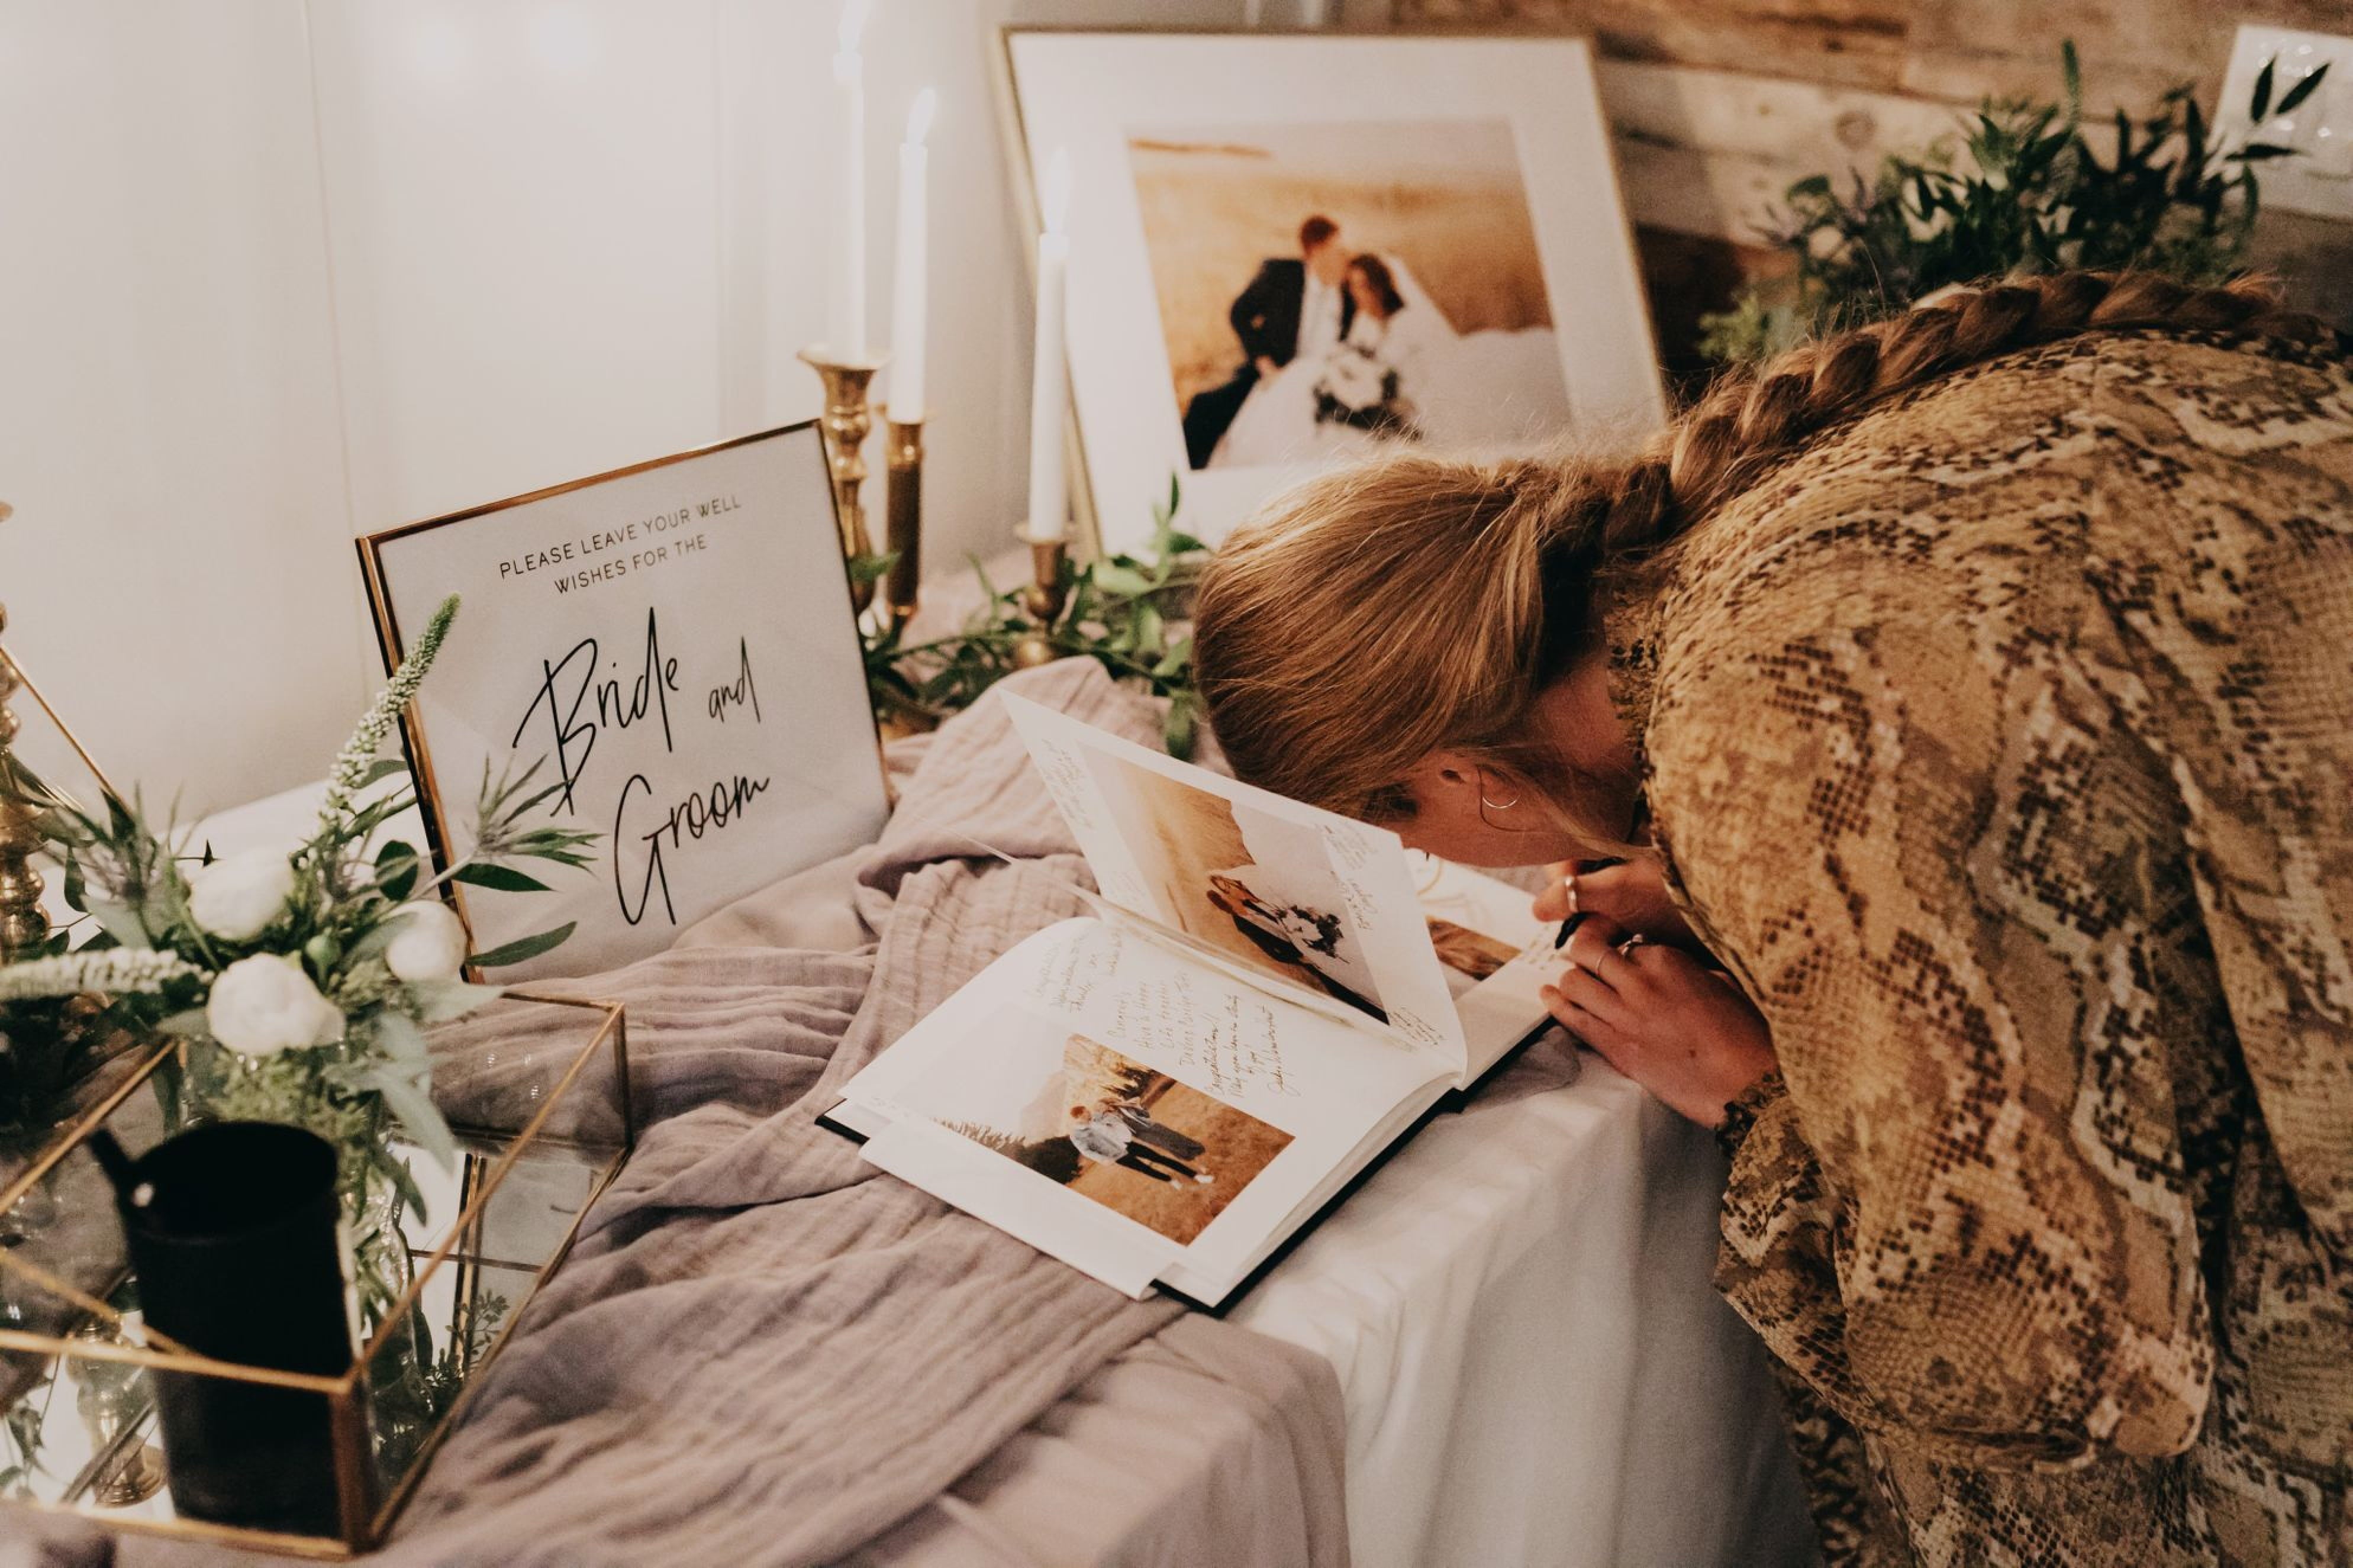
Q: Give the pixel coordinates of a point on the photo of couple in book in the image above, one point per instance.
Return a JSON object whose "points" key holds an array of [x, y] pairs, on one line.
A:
{"points": [[1256, 887], [1133, 1140]]}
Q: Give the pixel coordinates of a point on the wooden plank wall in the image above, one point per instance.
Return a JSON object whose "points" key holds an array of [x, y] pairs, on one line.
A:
{"points": [[1720, 104], [1954, 50]]}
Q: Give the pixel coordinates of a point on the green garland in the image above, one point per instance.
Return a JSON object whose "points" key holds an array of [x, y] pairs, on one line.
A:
{"points": [[2027, 194], [1118, 611]]}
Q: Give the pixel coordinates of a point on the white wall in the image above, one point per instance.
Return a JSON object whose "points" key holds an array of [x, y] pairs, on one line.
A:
{"points": [[275, 273], [178, 575]]}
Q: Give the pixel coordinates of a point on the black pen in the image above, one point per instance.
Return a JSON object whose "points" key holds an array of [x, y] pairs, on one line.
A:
{"points": [[1568, 927]]}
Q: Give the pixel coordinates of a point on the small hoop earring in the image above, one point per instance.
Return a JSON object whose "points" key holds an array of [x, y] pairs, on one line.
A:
{"points": [[1486, 806]]}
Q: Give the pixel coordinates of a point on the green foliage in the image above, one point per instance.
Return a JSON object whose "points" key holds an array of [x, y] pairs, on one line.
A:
{"points": [[130, 887], [411, 1386], [2027, 192], [129, 884], [1117, 611], [22, 1430], [525, 947]]}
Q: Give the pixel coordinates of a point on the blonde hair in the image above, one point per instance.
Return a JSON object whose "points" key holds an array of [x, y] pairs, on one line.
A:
{"points": [[1377, 615]]}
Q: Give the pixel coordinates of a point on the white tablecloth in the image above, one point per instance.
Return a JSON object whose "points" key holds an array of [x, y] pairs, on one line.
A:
{"points": [[1534, 1368]]}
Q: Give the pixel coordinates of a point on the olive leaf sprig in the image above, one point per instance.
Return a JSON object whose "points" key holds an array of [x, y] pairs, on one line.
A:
{"points": [[2025, 191], [1122, 611]]}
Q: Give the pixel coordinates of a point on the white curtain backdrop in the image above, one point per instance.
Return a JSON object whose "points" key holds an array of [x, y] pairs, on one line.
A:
{"points": [[274, 273]]}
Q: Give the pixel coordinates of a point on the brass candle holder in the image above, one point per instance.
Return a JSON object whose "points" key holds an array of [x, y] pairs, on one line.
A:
{"points": [[902, 517], [1043, 600], [849, 420]]}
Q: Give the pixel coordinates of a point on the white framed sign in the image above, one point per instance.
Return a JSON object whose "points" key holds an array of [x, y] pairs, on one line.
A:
{"points": [[674, 645], [1291, 251]]}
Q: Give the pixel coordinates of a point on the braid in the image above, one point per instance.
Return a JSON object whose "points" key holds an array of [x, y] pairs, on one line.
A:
{"points": [[1380, 615], [1751, 418]]}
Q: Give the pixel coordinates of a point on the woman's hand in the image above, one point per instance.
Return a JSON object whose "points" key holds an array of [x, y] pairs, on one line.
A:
{"points": [[1632, 894], [1656, 1015]]}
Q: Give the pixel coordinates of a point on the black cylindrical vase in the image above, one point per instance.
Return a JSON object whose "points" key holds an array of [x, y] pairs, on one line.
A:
{"points": [[232, 1234]]}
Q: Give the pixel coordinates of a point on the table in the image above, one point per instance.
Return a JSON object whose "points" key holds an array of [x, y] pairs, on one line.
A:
{"points": [[1534, 1367]]}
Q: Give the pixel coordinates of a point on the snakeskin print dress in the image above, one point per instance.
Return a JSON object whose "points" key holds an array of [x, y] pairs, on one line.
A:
{"points": [[2001, 743]]}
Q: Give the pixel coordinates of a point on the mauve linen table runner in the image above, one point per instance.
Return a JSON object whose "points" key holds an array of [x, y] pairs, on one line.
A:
{"points": [[762, 1351]]}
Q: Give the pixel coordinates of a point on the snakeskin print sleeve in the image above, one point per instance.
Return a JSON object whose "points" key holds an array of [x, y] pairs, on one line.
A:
{"points": [[2002, 746], [1908, 1226]]}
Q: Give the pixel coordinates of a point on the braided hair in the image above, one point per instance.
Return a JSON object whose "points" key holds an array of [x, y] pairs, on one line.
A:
{"points": [[1379, 615]]}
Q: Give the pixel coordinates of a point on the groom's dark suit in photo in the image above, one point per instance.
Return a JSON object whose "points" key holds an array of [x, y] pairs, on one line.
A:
{"points": [[1265, 317]]}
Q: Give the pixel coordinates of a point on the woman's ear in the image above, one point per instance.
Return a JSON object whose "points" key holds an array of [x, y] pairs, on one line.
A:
{"points": [[1446, 771], [1450, 785]]}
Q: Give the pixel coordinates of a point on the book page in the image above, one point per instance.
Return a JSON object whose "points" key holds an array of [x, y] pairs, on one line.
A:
{"points": [[1312, 900], [1497, 955], [1121, 1106]]}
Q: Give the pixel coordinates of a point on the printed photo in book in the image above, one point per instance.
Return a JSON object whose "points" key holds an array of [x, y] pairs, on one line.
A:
{"points": [[1241, 879], [1167, 1155], [1273, 996]]}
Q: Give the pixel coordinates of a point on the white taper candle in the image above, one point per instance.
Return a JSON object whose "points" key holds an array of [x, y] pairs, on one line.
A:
{"points": [[910, 281], [846, 329], [1050, 387]]}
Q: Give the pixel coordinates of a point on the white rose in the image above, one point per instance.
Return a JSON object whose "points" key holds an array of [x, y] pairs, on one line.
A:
{"points": [[238, 896], [265, 1004], [430, 943], [1354, 381]]}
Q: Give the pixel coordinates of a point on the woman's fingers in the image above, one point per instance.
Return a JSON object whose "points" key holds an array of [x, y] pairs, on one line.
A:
{"points": [[1592, 946], [1660, 963], [1595, 996], [1611, 1043], [1591, 1027], [1626, 969], [1634, 894], [1552, 904], [1567, 889]]}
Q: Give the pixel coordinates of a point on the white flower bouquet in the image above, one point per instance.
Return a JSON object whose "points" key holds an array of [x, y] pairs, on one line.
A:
{"points": [[1359, 389], [303, 982]]}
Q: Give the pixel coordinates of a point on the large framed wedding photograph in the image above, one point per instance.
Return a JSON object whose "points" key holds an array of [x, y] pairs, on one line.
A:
{"points": [[669, 648], [1291, 250]]}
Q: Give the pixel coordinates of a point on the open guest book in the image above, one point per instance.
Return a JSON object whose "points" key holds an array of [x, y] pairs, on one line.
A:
{"points": [[1272, 997]]}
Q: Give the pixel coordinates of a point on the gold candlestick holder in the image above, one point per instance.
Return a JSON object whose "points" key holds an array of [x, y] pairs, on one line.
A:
{"points": [[902, 516], [1043, 600], [849, 420]]}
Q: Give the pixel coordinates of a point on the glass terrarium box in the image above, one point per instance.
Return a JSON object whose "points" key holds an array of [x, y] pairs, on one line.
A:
{"points": [[535, 1089]]}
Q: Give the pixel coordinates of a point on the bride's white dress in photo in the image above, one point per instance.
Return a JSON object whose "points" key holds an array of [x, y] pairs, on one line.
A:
{"points": [[1462, 391]]}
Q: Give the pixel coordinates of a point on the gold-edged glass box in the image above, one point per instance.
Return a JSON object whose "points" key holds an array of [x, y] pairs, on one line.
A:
{"points": [[535, 1088]]}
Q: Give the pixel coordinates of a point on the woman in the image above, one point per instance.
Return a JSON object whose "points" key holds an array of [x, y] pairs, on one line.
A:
{"points": [[1372, 380], [1349, 401], [1982, 684]]}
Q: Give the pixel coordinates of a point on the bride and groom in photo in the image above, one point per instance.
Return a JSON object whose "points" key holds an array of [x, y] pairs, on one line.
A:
{"points": [[1340, 349], [1290, 917]]}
